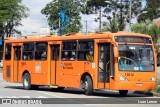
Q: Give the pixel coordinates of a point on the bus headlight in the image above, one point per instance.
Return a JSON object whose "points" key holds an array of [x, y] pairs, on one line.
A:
{"points": [[122, 78], [152, 79]]}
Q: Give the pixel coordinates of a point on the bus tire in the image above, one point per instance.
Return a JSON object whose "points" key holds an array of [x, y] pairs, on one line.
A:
{"points": [[123, 92], [27, 81], [88, 85]]}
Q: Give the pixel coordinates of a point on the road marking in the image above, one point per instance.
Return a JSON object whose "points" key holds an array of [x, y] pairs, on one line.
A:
{"points": [[50, 94], [22, 97], [94, 104], [60, 97]]}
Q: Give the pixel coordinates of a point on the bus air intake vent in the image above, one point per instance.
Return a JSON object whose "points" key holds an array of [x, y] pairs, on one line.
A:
{"points": [[8, 71]]}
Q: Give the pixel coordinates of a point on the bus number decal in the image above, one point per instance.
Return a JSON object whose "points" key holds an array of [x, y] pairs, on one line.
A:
{"points": [[38, 67], [23, 63], [129, 74]]}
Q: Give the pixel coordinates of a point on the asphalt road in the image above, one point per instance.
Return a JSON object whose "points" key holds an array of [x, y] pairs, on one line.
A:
{"points": [[15, 90]]}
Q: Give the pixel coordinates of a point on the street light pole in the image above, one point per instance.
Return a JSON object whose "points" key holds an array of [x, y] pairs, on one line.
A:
{"points": [[86, 27], [130, 14]]}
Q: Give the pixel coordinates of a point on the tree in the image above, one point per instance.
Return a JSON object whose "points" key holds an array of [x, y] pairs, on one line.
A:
{"points": [[11, 14], [94, 6], [71, 8], [112, 25], [151, 10], [121, 8], [149, 28], [116, 7]]}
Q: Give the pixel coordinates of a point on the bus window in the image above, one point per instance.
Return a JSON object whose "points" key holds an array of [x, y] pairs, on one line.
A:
{"points": [[8, 52], [41, 51], [86, 50], [69, 50], [55, 52], [17, 52], [28, 51], [136, 57]]}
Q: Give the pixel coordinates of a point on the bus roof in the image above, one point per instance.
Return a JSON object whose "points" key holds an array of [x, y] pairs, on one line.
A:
{"points": [[75, 36]]}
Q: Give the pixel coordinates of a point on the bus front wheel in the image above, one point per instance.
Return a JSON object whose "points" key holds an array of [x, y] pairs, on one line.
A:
{"points": [[88, 86], [26, 81], [123, 92]]}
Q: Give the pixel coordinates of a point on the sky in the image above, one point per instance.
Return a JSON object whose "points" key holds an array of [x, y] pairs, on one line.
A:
{"points": [[36, 20]]}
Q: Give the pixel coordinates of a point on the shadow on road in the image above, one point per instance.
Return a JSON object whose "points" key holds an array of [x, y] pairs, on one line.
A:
{"points": [[99, 93]]}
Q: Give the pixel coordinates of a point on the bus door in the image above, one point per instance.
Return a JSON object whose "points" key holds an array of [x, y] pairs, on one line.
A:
{"points": [[55, 49], [103, 65], [16, 62]]}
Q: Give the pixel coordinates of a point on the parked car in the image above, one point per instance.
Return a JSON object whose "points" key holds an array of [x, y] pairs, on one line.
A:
{"points": [[1, 63]]}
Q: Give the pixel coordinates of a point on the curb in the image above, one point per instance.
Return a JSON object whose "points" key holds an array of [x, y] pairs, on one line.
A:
{"points": [[147, 93]]}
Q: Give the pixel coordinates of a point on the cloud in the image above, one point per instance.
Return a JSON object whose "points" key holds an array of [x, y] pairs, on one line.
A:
{"points": [[35, 20]]}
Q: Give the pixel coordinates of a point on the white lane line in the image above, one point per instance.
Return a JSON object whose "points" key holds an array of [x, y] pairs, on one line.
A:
{"points": [[50, 94], [94, 104], [60, 97]]}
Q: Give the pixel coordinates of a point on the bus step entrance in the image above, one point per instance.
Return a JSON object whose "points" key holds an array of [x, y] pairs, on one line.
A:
{"points": [[53, 86]]}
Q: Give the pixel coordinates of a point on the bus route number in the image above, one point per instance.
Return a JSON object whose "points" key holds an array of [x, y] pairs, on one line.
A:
{"points": [[129, 74]]}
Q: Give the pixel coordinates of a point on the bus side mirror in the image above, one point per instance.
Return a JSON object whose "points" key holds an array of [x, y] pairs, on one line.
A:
{"points": [[116, 52]]}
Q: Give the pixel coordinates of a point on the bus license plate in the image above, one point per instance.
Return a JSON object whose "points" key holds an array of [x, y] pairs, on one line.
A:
{"points": [[138, 84]]}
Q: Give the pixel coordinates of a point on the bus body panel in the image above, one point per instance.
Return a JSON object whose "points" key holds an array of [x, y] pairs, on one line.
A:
{"points": [[69, 73], [38, 71], [7, 71]]}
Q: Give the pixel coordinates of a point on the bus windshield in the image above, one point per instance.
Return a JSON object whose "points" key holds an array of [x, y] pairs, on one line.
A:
{"points": [[135, 57]]}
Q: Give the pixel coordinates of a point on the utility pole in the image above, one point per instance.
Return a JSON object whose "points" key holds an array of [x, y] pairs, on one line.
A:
{"points": [[86, 27], [100, 19], [121, 20], [130, 14]]}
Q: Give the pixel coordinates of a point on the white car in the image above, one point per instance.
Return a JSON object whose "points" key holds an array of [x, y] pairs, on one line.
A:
{"points": [[1, 63]]}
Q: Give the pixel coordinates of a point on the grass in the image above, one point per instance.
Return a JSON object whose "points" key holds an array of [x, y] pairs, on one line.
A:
{"points": [[157, 90], [158, 86]]}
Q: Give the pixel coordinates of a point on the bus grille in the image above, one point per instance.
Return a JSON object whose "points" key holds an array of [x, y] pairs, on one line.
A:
{"points": [[8, 72]]}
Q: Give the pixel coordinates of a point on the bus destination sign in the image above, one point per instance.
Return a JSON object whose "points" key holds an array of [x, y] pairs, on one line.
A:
{"points": [[133, 39]]}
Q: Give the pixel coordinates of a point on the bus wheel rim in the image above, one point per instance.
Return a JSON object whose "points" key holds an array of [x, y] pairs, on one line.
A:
{"points": [[26, 82], [86, 85]]}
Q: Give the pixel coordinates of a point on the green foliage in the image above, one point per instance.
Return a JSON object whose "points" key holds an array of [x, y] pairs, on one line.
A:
{"points": [[121, 9], [149, 28], [111, 26], [11, 14], [152, 10], [93, 6], [72, 8]]}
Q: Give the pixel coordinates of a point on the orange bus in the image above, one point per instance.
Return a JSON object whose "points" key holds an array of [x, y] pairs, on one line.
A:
{"points": [[113, 61]]}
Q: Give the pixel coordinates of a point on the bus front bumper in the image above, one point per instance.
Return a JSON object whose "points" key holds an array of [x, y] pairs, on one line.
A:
{"points": [[133, 85]]}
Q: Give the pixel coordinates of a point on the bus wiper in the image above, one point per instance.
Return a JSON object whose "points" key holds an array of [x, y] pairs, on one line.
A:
{"points": [[144, 51], [134, 52]]}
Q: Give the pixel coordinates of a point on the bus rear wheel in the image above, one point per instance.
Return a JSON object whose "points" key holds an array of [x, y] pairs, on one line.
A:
{"points": [[88, 86], [27, 82], [123, 92]]}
